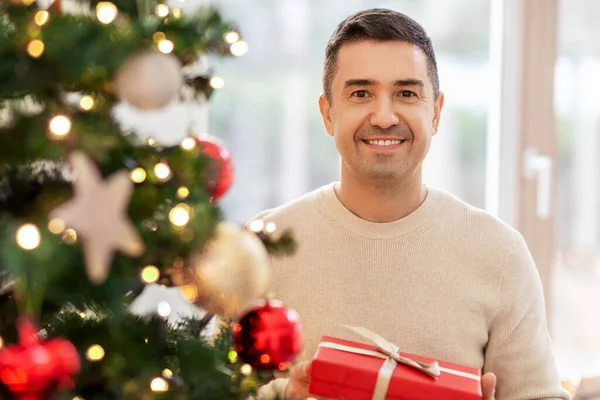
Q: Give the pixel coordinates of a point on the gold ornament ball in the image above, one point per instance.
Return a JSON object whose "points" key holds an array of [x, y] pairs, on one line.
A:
{"points": [[149, 80], [232, 272]]}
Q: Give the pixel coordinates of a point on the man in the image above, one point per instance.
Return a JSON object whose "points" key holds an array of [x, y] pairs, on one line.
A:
{"points": [[380, 249]]}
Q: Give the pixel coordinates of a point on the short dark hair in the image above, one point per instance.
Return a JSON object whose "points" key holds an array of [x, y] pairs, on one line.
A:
{"points": [[381, 25]]}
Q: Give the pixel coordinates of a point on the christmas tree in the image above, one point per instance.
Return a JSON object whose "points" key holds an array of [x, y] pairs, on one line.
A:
{"points": [[107, 186]]}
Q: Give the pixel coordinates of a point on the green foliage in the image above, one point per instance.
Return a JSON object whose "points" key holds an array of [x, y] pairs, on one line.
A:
{"points": [[82, 54], [139, 350], [49, 283]]}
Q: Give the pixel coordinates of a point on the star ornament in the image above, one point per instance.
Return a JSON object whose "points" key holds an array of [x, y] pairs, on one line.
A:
{"points": [[98, 213]]}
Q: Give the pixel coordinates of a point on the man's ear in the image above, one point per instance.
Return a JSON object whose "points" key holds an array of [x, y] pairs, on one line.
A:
{"points": [[325, 109], [437, 113]]}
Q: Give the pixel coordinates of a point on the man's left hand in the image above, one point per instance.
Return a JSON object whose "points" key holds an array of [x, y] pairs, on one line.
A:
{"points": [[488, 386]]}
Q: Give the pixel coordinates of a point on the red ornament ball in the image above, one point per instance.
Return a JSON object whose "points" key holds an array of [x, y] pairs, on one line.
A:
{"points": [[218, 175], [269, 336], [33, 368]]}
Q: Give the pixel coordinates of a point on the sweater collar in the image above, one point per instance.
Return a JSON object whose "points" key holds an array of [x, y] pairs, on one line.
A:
{"points": [[344, 218]]}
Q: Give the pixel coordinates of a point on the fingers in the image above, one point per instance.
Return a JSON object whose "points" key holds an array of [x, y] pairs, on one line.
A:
{"points": [[298, 382], [306, 368], [301, 371], [488, 386]]}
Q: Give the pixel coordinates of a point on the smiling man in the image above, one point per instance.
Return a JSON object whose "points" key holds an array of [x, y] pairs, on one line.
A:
{"points": [[381, 249]]}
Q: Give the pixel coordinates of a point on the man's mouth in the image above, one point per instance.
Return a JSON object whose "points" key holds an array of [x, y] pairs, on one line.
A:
{"points": [[384, 143]]}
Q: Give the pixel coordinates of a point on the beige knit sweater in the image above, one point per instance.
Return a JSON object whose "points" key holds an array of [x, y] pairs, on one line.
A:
{"points": [[448, 281]]}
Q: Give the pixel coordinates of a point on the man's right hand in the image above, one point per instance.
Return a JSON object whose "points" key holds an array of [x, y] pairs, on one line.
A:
{"points": [[297, 387], [299, 378]]}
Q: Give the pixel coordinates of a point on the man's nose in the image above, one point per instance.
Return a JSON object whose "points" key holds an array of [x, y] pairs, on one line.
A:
{"points": [[384, 115]]}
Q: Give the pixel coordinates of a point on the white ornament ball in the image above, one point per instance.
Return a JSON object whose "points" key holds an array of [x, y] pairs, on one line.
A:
{"points": [[232, 272], [149, 80]]}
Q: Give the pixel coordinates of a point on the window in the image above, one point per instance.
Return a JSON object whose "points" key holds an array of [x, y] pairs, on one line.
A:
{"points": [[576, 320]]}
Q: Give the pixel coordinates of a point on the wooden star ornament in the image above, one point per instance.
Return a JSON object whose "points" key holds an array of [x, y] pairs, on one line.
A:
{"points": [[98, 214]]}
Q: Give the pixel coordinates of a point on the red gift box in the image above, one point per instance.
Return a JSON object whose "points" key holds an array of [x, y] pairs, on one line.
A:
{"points": [[339, 372]]}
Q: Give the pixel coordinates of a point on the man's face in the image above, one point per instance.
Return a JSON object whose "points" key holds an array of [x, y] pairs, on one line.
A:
{"points": [[382, 113]]}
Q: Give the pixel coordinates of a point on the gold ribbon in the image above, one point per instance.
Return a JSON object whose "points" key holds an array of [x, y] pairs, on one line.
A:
{"points": [[389, 352]]}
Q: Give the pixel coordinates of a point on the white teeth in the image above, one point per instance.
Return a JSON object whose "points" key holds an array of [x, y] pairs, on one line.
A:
{"points": [[384, 142]]}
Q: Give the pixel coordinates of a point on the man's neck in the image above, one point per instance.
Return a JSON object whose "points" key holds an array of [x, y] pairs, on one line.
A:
{"points": [[381, 202]]}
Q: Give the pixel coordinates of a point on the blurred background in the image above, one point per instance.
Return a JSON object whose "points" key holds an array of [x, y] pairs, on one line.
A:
{"points": [[517, 74]]}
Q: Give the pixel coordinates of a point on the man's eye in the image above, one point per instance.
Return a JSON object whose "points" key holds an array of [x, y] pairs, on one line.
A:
{"points": [[360, 94], [407, 93]]}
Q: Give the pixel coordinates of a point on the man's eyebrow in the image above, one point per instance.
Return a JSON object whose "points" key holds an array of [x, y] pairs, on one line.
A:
{"points": [[359, 82], [370, 82], [409, 82]]}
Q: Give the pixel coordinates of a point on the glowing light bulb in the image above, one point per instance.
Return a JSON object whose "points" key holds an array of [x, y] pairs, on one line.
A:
{"points": [[82, 315], [177, 13], [69, 236], [56, 226], [60, 126], [28, 237], [35, 48], [189, 293], [159, 385], [217, 82], [86, 103], [232, 355], [41, 17], [265, 358], [257, 225], [28, 2], [165, 46], [163, 309], [183, 192], [239, 48], [95, 353], [159, 36], [1, 342], [232, 37], [151, 142], [150, 274], [162, 10], [246, 369], [179, 215], [167, 373], [106, 12], [138, 175], [162, 171], [188, 143], [271, 227]]}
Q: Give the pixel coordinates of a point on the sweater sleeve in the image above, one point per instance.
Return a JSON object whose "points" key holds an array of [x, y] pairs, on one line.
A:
{"points": [[519, 349]]}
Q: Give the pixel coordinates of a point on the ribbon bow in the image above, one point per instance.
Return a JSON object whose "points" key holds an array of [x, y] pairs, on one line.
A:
{"points": [[391, 351]]}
